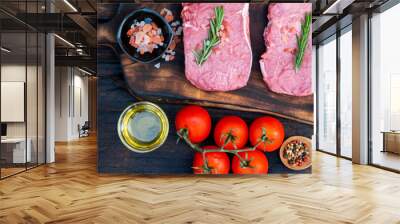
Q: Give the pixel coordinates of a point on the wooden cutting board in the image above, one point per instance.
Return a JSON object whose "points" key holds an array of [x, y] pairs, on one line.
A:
{"points": [[168, 83]]}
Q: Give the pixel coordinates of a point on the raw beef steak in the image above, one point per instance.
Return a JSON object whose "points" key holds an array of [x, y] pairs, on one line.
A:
{"points": [[277, 64], [229, 65]]}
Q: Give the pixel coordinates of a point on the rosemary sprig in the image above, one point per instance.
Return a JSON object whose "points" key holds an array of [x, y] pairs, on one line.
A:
{"points": [[302, 41], [213, 36]]}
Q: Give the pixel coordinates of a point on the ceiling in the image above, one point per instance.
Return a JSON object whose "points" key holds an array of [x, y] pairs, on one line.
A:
{"points": [[72, 20], [332, 15], [76, 21]]}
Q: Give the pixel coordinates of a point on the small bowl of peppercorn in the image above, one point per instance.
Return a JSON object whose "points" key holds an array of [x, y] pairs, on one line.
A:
{"points": [[296, 153]]}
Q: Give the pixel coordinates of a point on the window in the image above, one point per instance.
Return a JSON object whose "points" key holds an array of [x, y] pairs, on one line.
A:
{"points": [[385, 89], [327, 96], [346, 93], [334, 106], [22, 75]]}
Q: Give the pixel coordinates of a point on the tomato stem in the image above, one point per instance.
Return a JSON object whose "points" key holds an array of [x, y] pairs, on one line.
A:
{"points": [[206, 169], [184, 134], [264, 138]]}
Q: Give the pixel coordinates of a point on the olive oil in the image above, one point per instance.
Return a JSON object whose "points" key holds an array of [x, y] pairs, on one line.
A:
{"points": [[143, 127]]}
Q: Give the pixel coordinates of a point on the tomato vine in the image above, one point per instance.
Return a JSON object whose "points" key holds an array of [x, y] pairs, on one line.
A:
{"points": [[184, 135]]}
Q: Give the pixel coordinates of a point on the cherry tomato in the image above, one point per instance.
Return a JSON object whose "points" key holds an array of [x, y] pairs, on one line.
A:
{"points": [[217, 162], [275, 133], [232, 126], [196, 120], [257, 163]]}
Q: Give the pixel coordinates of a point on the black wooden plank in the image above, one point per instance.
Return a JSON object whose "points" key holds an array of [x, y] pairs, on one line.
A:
{"points": [[171, 158]]}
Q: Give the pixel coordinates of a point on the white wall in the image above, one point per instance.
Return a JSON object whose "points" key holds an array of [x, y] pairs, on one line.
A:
{"points": [[62, 81], [80, 110], [33, 127], [16, 73], [12, 101], [71, 102]]}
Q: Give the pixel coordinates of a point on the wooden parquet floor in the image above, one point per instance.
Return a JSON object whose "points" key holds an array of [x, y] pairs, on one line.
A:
{"points": [[71, 191]]}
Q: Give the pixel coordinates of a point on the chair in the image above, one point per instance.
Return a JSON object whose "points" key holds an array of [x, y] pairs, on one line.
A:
{"points": [[84, 129]]}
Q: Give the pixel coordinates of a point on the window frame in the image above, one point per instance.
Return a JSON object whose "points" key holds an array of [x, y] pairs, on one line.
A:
{"points": [[334, 37], [381, 9]]}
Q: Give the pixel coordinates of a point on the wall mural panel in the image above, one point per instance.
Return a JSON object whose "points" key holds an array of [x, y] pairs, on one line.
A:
{"points": [[204, 88]]}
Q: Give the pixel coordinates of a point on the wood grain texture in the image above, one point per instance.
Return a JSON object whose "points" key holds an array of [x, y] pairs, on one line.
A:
{"points": [[169, 84], [114, 96], [170, 158], [71, 191]]}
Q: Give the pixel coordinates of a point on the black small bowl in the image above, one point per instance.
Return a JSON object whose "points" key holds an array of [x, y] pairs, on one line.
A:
{"points": [[140, 15]]}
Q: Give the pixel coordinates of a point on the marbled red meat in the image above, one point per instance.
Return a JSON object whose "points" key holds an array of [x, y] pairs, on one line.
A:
{"points": [[228, 67], [277, 63]]}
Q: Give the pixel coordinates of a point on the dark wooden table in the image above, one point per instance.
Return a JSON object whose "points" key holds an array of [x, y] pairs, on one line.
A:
{"points": [[114, 95]]}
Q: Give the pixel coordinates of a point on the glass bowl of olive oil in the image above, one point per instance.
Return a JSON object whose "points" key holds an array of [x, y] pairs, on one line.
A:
{"points": [[143, 127]]}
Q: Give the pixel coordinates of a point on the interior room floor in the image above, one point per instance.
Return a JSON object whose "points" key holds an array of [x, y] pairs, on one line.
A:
{"points": [[71, 191], [10, 171], [387, 159]]}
